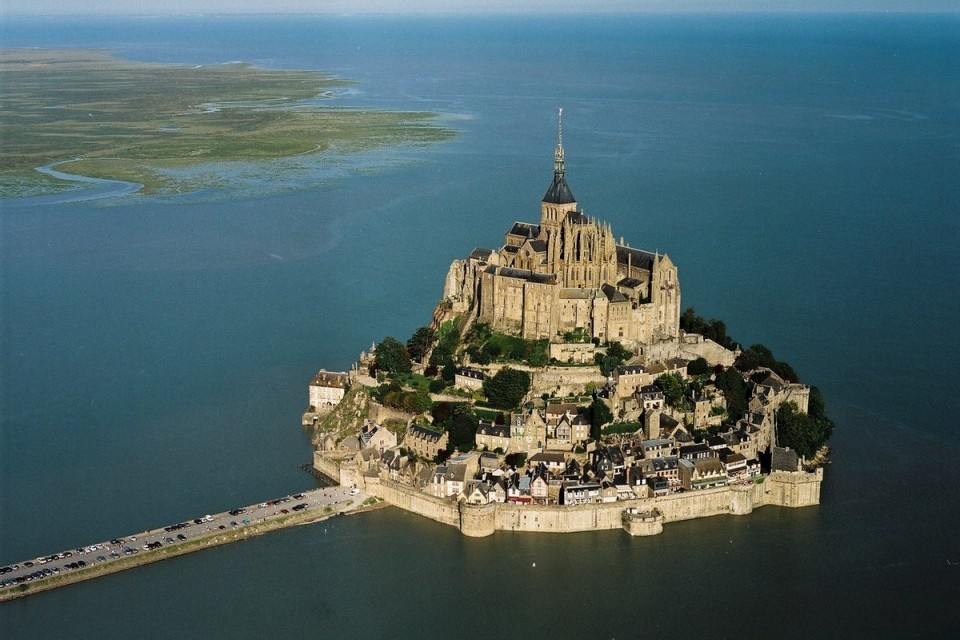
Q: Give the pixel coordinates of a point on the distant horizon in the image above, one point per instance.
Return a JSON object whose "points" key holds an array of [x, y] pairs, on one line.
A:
{"points": [[440, 8]]}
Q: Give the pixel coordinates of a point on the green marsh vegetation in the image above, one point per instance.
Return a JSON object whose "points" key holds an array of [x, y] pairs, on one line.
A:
{"points": [[104, 117]]}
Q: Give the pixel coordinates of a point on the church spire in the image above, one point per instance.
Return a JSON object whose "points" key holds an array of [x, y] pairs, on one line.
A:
{"points": [[559, 192], [558, 152]]}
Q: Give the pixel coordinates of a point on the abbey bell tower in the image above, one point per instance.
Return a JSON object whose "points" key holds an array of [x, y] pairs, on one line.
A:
{"points": [[557, 202]]}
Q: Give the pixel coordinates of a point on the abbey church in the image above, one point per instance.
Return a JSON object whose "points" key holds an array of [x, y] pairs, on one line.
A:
{"points": [[567, 274]]}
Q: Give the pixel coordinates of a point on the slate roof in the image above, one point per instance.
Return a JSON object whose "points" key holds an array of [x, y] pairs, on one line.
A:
{"points": [[693, 450], [782, 459], [524, 229], [629, 283], [630, 369], [548, 456], [529, 276], [422, 433], [494, 429], [637, 257], [480, 254], [470, 373], [559, 191], [613, 295], [333, 379], [538, 245]]}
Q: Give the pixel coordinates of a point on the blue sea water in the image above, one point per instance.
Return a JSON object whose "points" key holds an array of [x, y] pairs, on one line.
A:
{"points": [[801, 170]]}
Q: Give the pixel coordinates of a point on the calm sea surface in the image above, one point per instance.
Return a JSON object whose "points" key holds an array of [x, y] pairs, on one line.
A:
{"points": [[803, 172]]}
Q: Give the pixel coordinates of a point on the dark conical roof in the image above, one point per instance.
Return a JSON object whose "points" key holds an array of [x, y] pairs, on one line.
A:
{"points": [[559, 192]]}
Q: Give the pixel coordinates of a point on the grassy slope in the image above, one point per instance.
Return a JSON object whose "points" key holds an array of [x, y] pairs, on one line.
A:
{"points": [[128, 120]]}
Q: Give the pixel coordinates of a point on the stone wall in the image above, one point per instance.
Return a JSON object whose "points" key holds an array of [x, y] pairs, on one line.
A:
{"points": [[380, 413], [409, 499], [797, 489]]}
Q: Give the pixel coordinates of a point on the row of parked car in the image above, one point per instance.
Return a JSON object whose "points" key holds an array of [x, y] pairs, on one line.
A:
{"points": [[124, 546]]}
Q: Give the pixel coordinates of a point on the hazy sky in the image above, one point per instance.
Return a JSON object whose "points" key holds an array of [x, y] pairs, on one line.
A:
{"points": [[116, 7]]}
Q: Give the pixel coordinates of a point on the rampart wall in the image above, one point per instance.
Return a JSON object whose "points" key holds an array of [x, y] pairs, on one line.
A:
{"points": [[783, 489]]}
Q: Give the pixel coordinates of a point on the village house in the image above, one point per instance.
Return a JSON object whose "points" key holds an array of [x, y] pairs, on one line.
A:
{"points": [[528, 431], [468, 379], [772, 391], [650, 398], [554, 461], [696, 451], [656, 448], [498, 491], [475, 492], [670, 366], [629, 378], [666, 467], [709, 407], [448, 480], [608, 460], [539, 488], [734, 465], [425, 442], [327, 389], [658, 486], [518, 490], [741, 441], [393, 461], [489, 463], [374, 436], [702, 473], [491, 436], [572, 492]]}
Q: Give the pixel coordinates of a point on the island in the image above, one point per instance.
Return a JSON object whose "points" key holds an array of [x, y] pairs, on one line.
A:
{"points": [[559, 387], [89, 113]]}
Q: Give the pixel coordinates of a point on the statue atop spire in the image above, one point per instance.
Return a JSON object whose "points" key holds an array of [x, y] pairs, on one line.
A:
{"points": [[559, 192]]}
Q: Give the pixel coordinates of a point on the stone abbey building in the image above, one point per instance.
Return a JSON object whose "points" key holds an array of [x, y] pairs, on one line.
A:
{"points": [[567, 273]]}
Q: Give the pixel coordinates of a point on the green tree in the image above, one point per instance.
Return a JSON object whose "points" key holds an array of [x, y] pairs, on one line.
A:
{"points": [[449, 371], [698, 367], [392, 356], [436, 386], [600, 415], [760, 356], [785, 371], [506, 389], [463, 428], [419, 343], [674, 388], [516, 459], [618, 351], [735, 390], [801, 432]]}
